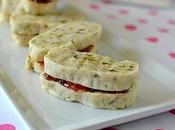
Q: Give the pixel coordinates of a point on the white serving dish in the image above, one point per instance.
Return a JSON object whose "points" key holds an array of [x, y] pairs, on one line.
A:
{"points": [[156, 92]]}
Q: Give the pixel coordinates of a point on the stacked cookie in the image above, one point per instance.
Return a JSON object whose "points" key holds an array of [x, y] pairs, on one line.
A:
{"points": [[26, 26], [39, 7], [29, 18]]}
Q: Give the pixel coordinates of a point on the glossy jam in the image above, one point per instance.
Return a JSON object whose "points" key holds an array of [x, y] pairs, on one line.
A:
{"points": [[42, 1], [78, 87], [41, 63], [87, 49]]}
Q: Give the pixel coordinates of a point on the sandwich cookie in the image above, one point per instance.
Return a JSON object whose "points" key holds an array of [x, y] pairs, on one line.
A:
{"points": [[39, 7], [26, 26], [79, 36], [91, 79]]}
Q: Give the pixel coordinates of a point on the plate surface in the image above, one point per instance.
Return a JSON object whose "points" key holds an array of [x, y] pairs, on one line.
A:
{"points": [[156, 92]]}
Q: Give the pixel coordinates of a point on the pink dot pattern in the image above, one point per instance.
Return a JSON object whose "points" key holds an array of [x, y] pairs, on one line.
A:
{"points": [[171, 22], [130, 27], [142, 20], [172, 55], [163, 30], [123, 12], [153, 13], [7, 127], [107, 1], [152, 39], [94, 6], [111, 17]]}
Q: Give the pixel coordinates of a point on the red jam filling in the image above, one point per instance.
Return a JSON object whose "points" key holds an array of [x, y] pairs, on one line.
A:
{"points": [[41, 63], [41, 1], [87, 49], [78, 87]]}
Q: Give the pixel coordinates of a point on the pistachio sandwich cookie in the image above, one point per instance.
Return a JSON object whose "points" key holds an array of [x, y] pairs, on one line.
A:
{"points": [[39, 7], [79, 36], [26, 26], [91, 79]]}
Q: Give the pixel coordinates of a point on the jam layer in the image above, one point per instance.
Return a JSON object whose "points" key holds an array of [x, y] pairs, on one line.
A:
{"points": [[42, 1], [80, 88], [87, 49]]}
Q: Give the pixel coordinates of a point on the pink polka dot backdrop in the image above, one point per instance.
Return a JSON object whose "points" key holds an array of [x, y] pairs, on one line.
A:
{"points": [[151, 31]]}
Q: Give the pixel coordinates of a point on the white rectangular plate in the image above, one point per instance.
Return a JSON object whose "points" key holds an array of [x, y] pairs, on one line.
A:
{"points": [[156, 92]]}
